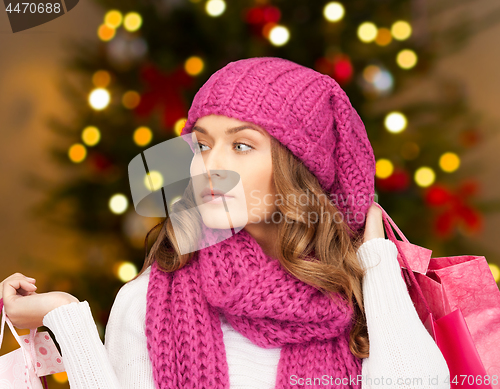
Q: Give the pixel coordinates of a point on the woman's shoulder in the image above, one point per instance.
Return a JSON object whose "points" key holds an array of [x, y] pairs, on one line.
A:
{"points": [[126, 322], [132, 295]]}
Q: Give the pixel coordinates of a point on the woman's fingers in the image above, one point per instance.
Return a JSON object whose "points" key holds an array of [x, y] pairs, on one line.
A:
{"points": [[23, 287], [13, 286]]}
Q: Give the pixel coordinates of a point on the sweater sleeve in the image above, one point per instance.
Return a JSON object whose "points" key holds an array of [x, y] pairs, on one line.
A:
{"points": [[120, 363], [85, 358], [401, 348]]}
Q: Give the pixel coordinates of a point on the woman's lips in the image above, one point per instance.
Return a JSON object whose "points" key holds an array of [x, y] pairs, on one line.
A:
{"points": [[216, 198]]}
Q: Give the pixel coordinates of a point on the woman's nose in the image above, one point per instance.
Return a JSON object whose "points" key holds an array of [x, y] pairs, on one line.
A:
{"points": [[215, 163]]}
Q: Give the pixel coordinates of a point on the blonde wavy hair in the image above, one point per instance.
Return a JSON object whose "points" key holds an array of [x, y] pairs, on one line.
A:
{"points": [[335, 269]]}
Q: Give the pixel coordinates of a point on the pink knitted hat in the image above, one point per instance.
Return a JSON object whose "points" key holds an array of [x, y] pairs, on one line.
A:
{"points": [[306, 111]]}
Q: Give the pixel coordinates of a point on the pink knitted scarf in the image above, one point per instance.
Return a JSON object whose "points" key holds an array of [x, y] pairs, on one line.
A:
{"points": [[261, 301]]}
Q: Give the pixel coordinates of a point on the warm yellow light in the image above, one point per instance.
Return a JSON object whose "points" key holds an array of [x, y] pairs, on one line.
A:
{"points": [[424, 176], [118, 203], [384, 37], [77, 153], [153, 181], [395, 122], [333, 11], [132, 21], [406, 59], [279, 35], [410, 150], [367, 32], [401, 30], [126, 271], [179, 125], [383, 168], [60, 378], [174, 200], [99, 98], [449, 162], [91, 136], [193, 65], [143, 136], [101, 78], [105, 33], [215, 7], [495, 270], [113, 18], [131, 99]]}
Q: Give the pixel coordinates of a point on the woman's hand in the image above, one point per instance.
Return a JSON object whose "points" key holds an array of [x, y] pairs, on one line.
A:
{"points": [[26, 308], [374, 227]]}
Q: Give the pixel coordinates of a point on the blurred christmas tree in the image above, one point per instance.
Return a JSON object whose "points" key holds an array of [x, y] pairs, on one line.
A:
{"points": [[135, 86]]}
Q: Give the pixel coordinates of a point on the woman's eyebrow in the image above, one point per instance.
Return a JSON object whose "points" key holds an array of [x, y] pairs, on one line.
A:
{"points": [[231, 131]]}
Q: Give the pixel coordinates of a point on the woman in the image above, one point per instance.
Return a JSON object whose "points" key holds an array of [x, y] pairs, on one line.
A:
{"points": [[290, 299]]}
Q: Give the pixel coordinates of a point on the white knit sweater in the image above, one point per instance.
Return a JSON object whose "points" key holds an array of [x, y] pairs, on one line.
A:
{"points": [[400, 347]]}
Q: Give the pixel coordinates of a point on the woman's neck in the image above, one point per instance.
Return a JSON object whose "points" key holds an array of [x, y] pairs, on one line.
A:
{"points": [[266, 235]]}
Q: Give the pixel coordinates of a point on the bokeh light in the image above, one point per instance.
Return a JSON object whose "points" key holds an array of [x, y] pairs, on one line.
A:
{"points": [[132, 21], [449, 162], [142, 136], [401, 30], [77, 153], [118, 203], [395, 122], [113, 18], [384, 37], [91, 135], [279, 35], [367, 32], [126, 271], [105, 33], [153, 180], [131, 99], [333, 11], [215, 7], [193, 66], [383, 168], [179, 125], [495, 270], [101, 78], [424, 176], [60, 378], [406, 59], [99, 98]]}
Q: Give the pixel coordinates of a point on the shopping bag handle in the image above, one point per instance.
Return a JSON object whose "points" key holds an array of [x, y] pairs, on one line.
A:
{"points": [[390, 233], [14, 332]]}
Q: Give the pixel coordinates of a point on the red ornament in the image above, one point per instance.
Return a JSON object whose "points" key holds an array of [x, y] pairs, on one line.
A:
{"points": [[398, 181], [342, 69], [437, 195], [164, 91], [262, 15], [339, 67], [444, 224], [99, 162], [454, 210]]}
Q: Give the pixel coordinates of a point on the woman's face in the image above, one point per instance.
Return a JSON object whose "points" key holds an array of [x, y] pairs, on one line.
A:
{"points": [[227, 146]]}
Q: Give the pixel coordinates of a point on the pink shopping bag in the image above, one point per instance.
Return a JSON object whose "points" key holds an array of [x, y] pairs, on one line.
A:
{"points": [[458, 301], [37, 357]]}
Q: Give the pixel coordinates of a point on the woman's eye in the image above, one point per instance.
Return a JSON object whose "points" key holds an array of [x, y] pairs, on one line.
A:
{"points": [[199, 145], [246, 148], [245, 145]]}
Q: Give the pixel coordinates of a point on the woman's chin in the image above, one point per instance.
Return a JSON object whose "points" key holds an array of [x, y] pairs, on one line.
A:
{"points": [[219, 219]]}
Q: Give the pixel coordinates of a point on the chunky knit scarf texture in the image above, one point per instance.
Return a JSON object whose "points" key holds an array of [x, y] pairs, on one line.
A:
{"points": [[261, 301]]}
